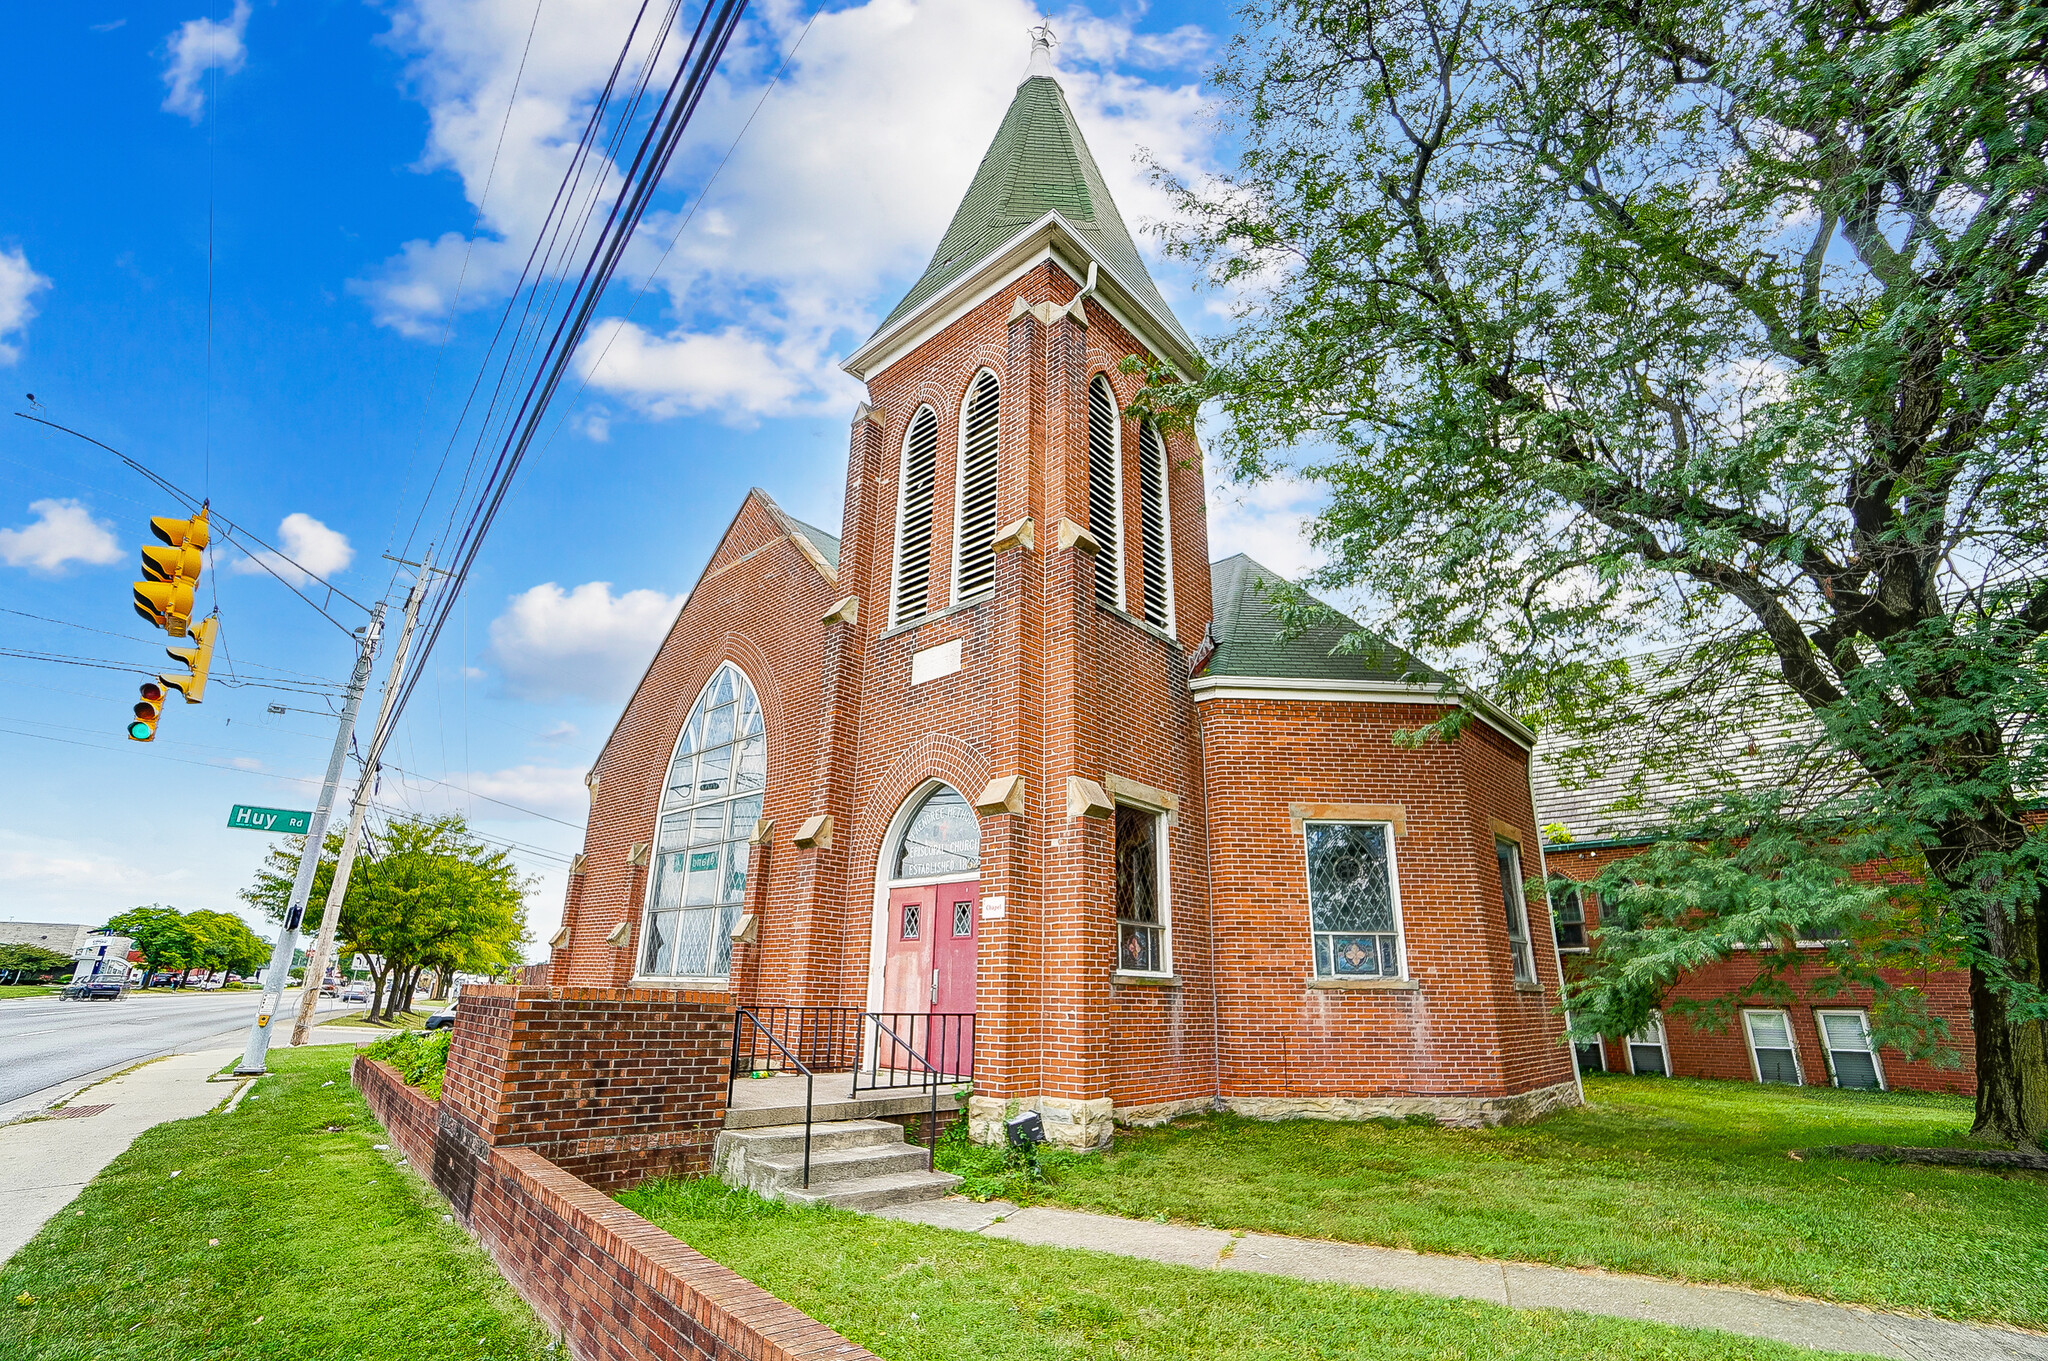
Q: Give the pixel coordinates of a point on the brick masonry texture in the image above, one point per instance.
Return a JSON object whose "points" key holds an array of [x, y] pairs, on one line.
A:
{"points": [[1725, 1053], [1053, 685], [612, 1084], [615, 1287]]}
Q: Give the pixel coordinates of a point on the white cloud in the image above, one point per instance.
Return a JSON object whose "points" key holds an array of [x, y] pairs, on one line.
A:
{"points": [[199, 46], [306, 542], [555, 791], [836, 196], [584, 643], [18, 286], [63, 531]]}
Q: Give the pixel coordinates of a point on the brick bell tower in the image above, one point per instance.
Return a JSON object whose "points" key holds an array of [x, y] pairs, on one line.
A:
{"points": [[1032, 575]]}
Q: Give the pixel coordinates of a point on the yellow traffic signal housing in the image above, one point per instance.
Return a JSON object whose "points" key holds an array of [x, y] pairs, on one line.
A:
{"points": [[172, 564], [147, 710], [197, 658], [166, 604], [193, 533]]}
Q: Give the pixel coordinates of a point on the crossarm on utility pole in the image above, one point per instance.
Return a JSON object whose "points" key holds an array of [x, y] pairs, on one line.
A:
{"points": [[359, 807]]}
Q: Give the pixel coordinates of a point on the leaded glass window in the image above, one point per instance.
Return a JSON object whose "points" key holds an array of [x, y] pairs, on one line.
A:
{"points": [[1354, 910], [1509, 858], [943, 838], [710, 802], [1140, 915], [1568, 914]]}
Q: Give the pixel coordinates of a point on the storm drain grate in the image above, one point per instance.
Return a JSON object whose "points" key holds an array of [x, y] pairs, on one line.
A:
{"points": [[79, 1112]]}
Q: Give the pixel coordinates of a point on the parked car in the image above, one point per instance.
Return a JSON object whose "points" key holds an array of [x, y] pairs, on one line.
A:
{"points": [[445, 1018], [355, 992], [103, 990]]}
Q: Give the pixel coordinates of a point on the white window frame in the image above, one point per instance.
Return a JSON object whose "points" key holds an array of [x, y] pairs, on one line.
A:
{"points": [[647, 894], [1393, 885], [1522, 948], [1820, 1023], [1165, 528], [896, 615], [1162, 866], [1115, 528], [960, 483], [1756, 1067], [1629, 1042]]}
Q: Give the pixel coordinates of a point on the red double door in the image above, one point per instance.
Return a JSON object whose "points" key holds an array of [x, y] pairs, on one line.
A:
{"points": [[928, 964]]}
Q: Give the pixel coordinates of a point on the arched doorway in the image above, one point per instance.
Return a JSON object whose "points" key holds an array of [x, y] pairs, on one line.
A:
{"points": [[930, 924]]}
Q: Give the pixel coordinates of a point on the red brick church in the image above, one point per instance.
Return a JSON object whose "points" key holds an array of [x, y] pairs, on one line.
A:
{"points": [[1011, 752]]}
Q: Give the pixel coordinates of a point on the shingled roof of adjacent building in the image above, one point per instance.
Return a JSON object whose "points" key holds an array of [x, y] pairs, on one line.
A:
{"points": [[1037, 164], [824, 540], [1251, 640]]}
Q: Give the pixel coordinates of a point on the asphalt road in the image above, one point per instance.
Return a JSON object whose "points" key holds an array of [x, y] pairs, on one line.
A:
{"points": [[48, 1041]]}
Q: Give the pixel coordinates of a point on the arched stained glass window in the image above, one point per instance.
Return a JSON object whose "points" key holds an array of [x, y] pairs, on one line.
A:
{"points": [[943, 837], [974, 546], [709, 804], [1105, 491], [914, 517]]}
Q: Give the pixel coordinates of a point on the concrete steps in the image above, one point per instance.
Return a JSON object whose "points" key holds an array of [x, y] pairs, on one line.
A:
{"points": [[855, 1164]]}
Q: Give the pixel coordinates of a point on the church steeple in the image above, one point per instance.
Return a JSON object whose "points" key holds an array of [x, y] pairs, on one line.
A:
{"points": [[1038, 165]]}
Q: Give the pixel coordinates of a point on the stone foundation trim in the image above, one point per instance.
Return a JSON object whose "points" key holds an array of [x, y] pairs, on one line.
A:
{"points": [[1461, 1112], [1083, 1124], [1396, 813], [611, 1285], [1163, 1112]]}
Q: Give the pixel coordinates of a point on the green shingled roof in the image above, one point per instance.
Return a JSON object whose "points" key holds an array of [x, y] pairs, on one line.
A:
{"points": [[1249, 641], [824, 540], [1037, 164]]}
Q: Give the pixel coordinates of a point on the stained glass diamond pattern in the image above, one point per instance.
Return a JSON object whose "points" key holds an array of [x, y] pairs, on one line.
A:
{"points": [[1351, 901]]}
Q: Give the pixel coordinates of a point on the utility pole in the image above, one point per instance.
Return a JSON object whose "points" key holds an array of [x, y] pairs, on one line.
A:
{"points": [[316, 963], [309, 859]]}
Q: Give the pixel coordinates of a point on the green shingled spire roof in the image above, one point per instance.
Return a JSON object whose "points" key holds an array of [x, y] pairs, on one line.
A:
{"points": [[1036, 165]]}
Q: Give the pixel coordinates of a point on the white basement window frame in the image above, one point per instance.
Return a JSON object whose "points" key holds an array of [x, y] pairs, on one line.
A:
{"points": [[1354, 900], [1649, 1052], [1845, 1036], [1773, 1052]]}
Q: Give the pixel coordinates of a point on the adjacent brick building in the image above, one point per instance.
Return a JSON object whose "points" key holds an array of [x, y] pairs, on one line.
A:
{"points": [[1013, 748]]}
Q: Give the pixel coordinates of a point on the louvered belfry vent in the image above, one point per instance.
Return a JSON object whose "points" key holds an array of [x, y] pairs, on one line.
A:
{"points": [[1104, 492], [914, 516], [978, 429], [1152, 521]]}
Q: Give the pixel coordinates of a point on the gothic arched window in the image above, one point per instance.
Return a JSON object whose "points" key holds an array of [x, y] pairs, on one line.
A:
{"points": [[914, 518], [1106, 491], [709, 804], [975, 526], [1155, 540], [943, 837]]}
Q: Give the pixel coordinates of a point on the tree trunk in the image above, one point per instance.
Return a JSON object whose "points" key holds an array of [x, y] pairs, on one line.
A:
{"points": [[442, 979]]}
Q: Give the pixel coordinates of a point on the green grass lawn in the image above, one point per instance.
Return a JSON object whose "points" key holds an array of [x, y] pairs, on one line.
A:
{"points": [[911, 1293], [324, 1248], [1681, 1179], [28, 989], [407, 1020]]}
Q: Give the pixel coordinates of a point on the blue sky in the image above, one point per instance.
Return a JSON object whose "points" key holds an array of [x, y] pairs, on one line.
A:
{"points": [[357, 161]]}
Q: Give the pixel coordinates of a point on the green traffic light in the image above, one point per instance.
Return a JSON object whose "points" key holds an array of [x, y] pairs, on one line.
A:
{"points": [[141, 732]]}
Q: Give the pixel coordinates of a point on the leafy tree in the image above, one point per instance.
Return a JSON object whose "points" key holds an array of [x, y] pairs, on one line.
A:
{"points": [[1619, 326], [163, 934], [428, 895], [19, 961]]}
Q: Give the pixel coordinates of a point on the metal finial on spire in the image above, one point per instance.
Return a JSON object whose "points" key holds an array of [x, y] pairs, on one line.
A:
{"points": [[1042, 44]]}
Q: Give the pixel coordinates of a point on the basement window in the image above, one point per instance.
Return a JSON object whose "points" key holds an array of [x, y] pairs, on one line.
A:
{"points": [[1770, 1047], [1649, 1055], [1353, 899], [1851, 1056]]}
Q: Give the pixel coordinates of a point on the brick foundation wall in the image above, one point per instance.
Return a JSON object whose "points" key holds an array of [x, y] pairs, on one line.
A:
{"points": [[615, 1287], [612, 1084], [1725, 1053]]}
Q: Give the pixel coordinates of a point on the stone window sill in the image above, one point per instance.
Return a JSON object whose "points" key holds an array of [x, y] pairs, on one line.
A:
{"points": [[682, 984], [1365, 984], [1528, 987], [979, 598], [1145, 980]]}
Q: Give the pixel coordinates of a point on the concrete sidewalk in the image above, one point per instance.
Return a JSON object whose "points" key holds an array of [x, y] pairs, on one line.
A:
{"points": [[1803, 1323], [46, 1159]]}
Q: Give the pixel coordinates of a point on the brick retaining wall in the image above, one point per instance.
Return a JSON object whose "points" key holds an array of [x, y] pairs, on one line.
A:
{"points": [[614, 1286]]}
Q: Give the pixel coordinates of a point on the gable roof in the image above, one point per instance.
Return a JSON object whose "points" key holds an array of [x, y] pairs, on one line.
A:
{"points": [[826, 542], [1037, 164], [1250, 639]]}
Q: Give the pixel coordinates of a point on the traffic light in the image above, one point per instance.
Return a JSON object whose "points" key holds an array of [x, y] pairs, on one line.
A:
{"points": [[196, 659], [147, 710], [165, 600]]}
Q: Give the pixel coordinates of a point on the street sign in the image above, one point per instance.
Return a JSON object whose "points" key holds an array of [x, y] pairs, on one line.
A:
{"points": [[269, 819]]}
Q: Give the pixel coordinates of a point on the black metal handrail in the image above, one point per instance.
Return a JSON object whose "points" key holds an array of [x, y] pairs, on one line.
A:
{"points": [[946, 1055], [824, 1039], [810, 1079]]}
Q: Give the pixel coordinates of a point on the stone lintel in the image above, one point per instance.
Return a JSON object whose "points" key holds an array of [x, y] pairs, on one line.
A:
{"points": [[1130, 791], [1351, 812]]}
